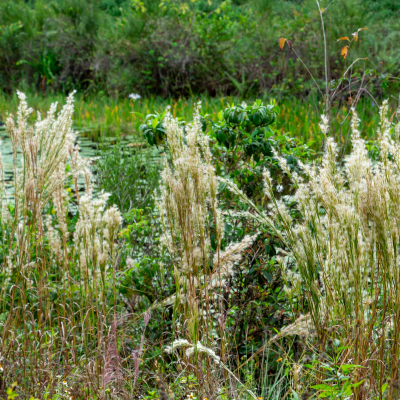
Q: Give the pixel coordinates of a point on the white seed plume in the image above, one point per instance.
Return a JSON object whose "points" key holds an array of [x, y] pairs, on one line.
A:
{"points": [[192, 349], [225, 261], [176, 345], [199, 348], [324, 125]]}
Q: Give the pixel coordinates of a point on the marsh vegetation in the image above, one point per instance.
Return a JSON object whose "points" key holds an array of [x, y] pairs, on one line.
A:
{"points": [[231, 232]]}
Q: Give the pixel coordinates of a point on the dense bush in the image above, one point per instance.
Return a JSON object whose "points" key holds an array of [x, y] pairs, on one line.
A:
{"points": [[242, 141], [173, 47]]}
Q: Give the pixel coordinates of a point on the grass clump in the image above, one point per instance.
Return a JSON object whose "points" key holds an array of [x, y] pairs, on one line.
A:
{"points": [[340, 264], [58, 256]]}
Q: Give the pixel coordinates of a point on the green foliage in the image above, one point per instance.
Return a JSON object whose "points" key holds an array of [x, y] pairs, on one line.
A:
{"points": [[148, 273], [243, 138], [247, 125], [130, 174], [152, 129], [174, 48], [338, 378]]}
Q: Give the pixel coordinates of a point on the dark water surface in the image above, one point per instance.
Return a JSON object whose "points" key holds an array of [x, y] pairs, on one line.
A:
{"points": [[88, 149]]}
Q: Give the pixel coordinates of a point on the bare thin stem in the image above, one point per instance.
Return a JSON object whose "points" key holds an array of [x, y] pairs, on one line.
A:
{"points": [[327, 108], [305, 66]]}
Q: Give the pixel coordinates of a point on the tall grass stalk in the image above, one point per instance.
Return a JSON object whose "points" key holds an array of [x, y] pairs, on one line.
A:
{"points": [[190, 216]]}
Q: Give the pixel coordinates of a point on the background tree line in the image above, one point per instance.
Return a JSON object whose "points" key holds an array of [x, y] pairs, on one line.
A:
{"points": [[184, 47]]}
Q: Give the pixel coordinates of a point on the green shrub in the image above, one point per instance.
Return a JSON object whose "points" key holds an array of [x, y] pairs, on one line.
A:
{"points": [[174, 48], [241, 140], [130, 174]]}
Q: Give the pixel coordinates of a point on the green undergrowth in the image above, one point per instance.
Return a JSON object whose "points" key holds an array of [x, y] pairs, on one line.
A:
{"points": [[108, 117]]}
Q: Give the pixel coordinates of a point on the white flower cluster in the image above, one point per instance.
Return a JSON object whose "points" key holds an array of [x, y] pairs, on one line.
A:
{"points": [[225, 261], [134, 96], [324, 124]]}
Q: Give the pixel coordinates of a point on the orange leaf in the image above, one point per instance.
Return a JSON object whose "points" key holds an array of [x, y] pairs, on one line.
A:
{"points": [[355, 34], [343, 38], [345, 51], [281, 42]]}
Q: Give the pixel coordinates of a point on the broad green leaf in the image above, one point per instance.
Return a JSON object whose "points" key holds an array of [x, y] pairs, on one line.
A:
{"points": [[138, 114], [323, 387], [342, 348], [348, 391]]}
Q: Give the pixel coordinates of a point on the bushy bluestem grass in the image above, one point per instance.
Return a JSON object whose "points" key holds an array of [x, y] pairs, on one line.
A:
{"points": [[58, 273], [190, 214], [341, 258], [58, 258]]}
